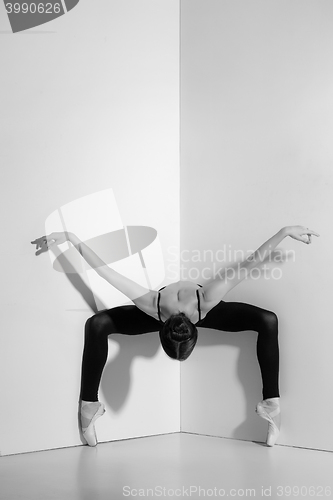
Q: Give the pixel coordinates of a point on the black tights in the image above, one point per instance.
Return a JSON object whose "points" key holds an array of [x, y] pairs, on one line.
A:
{"points": [[226, 316]]}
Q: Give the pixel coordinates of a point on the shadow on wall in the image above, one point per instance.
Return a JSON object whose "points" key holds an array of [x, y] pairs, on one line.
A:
{"points": [[133, 251], [78, 283], [116, 378], [248, 373]]}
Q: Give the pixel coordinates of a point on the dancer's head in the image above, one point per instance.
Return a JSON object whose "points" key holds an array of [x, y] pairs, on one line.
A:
{"points": [[178, 336]]}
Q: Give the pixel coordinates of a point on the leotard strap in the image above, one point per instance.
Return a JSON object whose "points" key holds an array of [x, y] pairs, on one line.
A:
{"points": [[158, 304], [198, 296]]}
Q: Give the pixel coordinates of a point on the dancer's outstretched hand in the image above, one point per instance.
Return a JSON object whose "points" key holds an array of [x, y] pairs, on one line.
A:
{"points": [[45, 242], [301, 233]]}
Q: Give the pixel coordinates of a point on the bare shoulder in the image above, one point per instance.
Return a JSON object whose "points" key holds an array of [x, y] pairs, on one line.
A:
{"points": [[148, 303], [207, 303]]}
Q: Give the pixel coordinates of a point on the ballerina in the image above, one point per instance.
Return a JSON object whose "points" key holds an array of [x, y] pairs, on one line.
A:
{"points": [[176, 311]]}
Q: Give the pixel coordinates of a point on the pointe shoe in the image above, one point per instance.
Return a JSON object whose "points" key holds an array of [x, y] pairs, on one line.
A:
{"points": [[89, 414], [269, 413]]}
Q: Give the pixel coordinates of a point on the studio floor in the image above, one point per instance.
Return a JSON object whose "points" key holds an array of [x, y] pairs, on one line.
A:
{"points": [[171, 465]]}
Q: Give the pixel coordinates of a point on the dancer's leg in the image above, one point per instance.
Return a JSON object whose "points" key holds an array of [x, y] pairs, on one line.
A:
{"points": [[128, 320], [237, 316]]}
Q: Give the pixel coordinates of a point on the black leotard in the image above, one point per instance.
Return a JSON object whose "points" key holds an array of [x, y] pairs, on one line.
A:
{"points": [[158, 303]]}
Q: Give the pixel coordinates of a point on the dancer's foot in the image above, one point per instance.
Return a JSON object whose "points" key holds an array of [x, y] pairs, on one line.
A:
{"points": [[90, 412], [269, 409]]}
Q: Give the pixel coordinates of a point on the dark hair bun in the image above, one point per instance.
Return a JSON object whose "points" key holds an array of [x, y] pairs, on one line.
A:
{"points": [[180, 331], [178, 336]]}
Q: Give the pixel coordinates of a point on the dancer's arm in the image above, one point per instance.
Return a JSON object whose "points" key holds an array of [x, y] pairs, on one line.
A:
{"points": [[141, 296], [215, 290]]}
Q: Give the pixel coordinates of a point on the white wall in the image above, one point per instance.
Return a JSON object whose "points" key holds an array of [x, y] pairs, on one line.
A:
{"points": [[88, 102], [257, 154]]}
